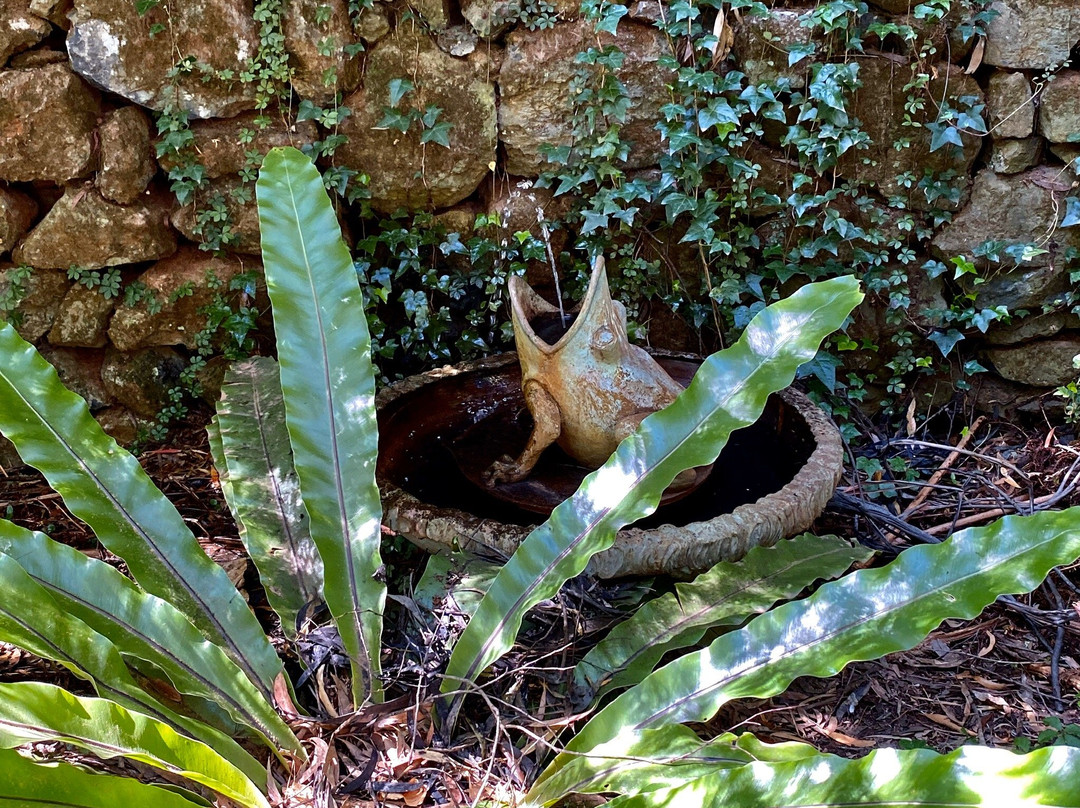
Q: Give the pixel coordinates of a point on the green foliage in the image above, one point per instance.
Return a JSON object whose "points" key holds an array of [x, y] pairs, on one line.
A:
{"points": [[14, 285], [713, 197], [433, 297], [637, 745], [968, 776], [403, 118], [1071, 394], [100, 484], [722, 597], [329, 393], [107, 282], [861, 616], [32, 712], [25, 782], [1057, 733], [425, 308], [251, 451], [536, 15]]}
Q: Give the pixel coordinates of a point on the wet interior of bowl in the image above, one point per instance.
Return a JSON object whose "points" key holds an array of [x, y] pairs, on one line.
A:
{"points": [[419, 433]]}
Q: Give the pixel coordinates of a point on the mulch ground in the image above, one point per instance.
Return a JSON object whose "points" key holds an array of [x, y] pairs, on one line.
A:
{"points": [[993, 680]]}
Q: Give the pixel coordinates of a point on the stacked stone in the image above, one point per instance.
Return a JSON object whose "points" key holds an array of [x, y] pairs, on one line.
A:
{"points": [[80, 185]]}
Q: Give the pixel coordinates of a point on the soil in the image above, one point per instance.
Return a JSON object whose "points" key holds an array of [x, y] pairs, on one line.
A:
{"points": [[993, 680]]}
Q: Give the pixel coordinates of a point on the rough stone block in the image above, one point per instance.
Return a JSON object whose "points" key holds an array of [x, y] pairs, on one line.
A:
{"points": [[82, 318], [127, 162], [1043, 363], [1068, 153], [141, 380], [404, 171], [47, 120], [1059, 108], [880, 106], [490, 18], [372, 24], [243, 216], [317, 48], [17, 211], [1032, 34], [1034, 326], [110, 45], [179, 319], [534, 104], [1015, 210], [762, 43], [39, 301], [19, 29], [436, 13], [80, 372], [223, 144], [1010, 105], [122, 425], [1014, 156], [84, 229], [55, 11]]}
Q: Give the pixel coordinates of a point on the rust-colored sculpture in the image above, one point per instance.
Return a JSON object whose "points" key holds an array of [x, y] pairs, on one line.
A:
{"points": [[586, 390]]}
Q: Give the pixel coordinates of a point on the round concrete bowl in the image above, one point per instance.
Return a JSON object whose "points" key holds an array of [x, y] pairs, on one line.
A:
{"points": [[770, 482]]}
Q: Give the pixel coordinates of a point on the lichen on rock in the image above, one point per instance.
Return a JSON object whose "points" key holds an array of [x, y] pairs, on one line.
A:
{"points": [[176, 319], [86, 230], [111, 45], [535, 104], [403, 170], [47, 121]]}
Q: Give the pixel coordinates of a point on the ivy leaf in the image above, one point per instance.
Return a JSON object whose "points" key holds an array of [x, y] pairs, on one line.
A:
{"points": [[700, 230], [963, 267], [392, 119], [439, 133], [823, 366], [800, 51], [610, 21], [982, 319], [946, 340], [944, 134], [676, 204], [718, 111], [431, 115], [594, 220], [1072, 212], [399, 88], [934, 269]]}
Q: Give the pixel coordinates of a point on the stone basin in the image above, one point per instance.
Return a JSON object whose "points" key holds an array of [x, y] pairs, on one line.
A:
{"points": [[770, 482]]}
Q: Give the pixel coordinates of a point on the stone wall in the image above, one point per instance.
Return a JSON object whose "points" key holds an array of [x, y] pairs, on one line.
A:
{"points": [[81, 82]]}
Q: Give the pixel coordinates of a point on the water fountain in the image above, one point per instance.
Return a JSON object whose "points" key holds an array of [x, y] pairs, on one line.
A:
{"points": [[468, 459]]}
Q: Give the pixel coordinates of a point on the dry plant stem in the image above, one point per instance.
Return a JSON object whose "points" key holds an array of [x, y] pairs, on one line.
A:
{"points": [[944, 467], [1059, 644], [945, 447], [986, 516]]}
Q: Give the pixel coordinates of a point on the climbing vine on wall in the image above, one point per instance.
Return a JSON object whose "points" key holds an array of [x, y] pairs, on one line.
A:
{"points": [[760, 185]]}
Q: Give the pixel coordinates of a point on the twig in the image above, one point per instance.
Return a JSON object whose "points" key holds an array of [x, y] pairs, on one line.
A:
{"points": [[1066, 581], [846, 504], [937, 475], [945, 447], [985, 516], [1059, 642]]}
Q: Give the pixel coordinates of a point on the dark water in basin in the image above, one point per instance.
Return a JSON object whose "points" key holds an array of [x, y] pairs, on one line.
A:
{"points": [[419, 450]]}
